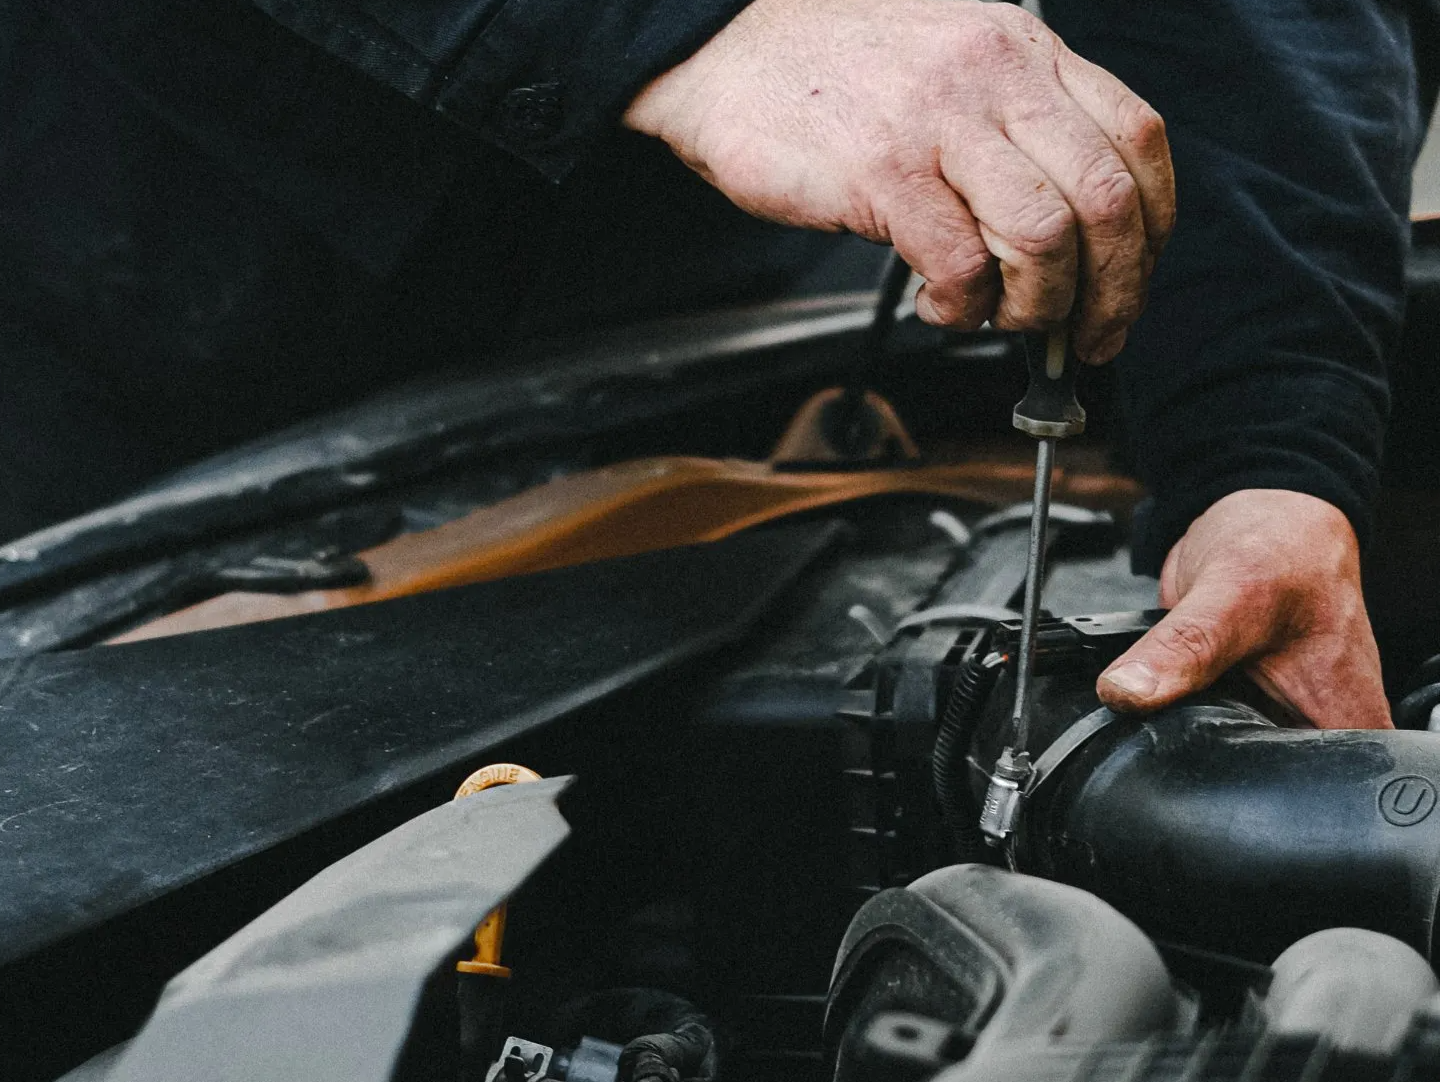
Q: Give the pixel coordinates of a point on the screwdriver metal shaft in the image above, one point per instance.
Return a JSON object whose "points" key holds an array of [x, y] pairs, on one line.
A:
{"points": [[1034, 581]]}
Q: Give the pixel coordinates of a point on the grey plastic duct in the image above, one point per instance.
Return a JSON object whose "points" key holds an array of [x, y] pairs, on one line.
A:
{"points": [[1358, 989], [1034, 959], [323, 986]]}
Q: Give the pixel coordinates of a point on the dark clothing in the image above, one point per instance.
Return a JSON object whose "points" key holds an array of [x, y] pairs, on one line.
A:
{"points": [[1294, 126], [209, 229], [545, 81], [213, 214]]}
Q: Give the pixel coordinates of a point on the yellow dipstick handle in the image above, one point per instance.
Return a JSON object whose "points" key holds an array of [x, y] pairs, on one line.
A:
{"points": [[490, 932]]}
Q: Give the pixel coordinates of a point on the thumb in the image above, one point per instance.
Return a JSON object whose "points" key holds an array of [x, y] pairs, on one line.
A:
{"points": [[1203, 636]]}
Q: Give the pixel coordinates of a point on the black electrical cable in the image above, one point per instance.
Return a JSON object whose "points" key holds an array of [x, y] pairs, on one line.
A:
{"points": [[846, 419], [948, 764], [894, 277]]}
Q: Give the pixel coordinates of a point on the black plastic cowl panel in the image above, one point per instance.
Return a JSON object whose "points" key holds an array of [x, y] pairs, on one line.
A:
{"points": [[156, 795], [132, 770]]}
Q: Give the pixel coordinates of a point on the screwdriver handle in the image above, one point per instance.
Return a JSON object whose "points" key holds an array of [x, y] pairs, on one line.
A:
{"points": [[1049, 409]]}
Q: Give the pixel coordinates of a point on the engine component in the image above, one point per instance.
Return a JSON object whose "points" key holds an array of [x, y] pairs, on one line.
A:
{"points": [[898, 1046], [591, 1060], [1357, 989], [1208, 824], [1420, 706], [1002, 956], [340, 711], [988, 975], [686, 1052], [907, 1048], [521, 1061], [662, 1038], [623, 510], [525, 1061], [950, 769]]}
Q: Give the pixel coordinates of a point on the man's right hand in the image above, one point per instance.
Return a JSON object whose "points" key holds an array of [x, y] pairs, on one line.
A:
{"points": [[1002, 166]]}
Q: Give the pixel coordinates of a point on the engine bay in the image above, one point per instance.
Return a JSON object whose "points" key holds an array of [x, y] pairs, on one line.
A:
{"points": [[773, 868], [767, 700]]}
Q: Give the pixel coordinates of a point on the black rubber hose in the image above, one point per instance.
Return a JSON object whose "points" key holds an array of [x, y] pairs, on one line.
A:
{"points": [[1413, 711], [1210, 826], [948, 766]]}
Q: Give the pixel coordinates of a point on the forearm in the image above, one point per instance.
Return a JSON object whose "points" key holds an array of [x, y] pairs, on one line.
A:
{"points": [[1260, 360]]}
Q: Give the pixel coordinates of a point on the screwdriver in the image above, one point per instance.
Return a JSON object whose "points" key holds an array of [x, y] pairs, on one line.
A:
{"points": [[1049, 412]]}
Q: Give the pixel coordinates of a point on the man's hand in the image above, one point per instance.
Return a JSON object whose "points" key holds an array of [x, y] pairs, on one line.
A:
{"points": [[1002, 166], [1270, 579]]}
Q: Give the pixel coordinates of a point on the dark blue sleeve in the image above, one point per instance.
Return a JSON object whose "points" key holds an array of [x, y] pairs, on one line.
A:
{"points": [[1260, 359], [542, 79]]}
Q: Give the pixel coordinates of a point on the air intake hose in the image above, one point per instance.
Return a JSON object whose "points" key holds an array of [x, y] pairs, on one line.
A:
{"points": [[1211, 826]]}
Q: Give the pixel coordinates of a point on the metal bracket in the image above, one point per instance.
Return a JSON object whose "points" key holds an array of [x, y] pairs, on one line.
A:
{"points": [[521, 1061]]}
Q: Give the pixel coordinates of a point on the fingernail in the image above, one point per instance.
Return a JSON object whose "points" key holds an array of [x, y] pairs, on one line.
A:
{"points": [[1134, 678]]}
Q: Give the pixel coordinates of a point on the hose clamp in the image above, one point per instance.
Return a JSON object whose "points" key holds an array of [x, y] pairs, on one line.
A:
{"points": [[1015, 781]]}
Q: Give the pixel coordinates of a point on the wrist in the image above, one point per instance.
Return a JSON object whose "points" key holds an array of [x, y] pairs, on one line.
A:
{"points": [[1280, 542], [681, 90]]}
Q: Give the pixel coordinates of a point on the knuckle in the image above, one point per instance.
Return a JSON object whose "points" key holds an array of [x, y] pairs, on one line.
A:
{"points": [[1018, 20], [963, 266], [1141, 126], [1046, 226], [981, 44], [1191, 641], [938, 313], [1255, 563], [958, 290], [1108, 196], [939, 310], [1348, 613], [927, 309], [1034, 315], [1009, 318]]}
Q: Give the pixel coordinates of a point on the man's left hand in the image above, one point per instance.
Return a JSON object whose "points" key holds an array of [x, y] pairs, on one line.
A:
{"points": [[1270, 580]]}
